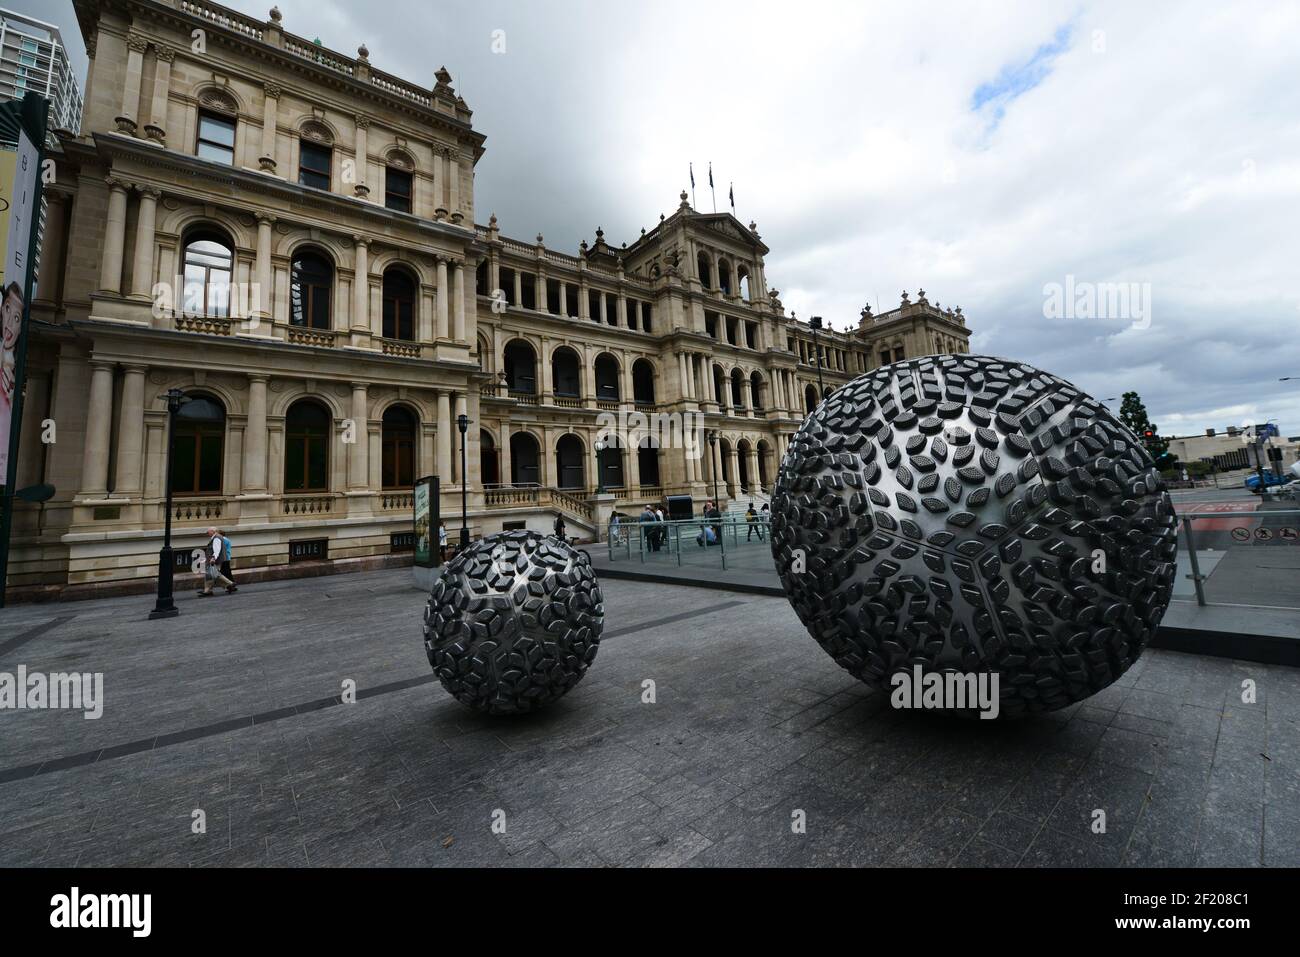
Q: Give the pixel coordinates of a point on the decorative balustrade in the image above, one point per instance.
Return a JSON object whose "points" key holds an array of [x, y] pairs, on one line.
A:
{"points": [[573, 504], [523, 495], [209, 325], [317, 54], [525, 398], [310, 337], [395, 501], [197, 509], [391, 84], [567, 402], [609, 405], [224, 18], [307, 504], [397, 347]]}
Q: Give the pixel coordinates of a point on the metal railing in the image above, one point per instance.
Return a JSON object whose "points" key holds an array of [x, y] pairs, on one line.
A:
{"points": [[651, 540], [1239, 554]]}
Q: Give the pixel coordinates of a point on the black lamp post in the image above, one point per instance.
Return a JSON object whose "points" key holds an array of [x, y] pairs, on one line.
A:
{"points": [[599, 446], [713, 463], [462, 423], [816, 323], [165, 607]]}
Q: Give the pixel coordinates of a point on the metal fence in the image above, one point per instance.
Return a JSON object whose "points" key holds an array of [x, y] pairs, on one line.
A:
{"points": [[1238, 554], [733, 542]]}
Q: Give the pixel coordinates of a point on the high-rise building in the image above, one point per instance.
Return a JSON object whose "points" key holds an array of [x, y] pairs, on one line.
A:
{"points": [[33, 59]]}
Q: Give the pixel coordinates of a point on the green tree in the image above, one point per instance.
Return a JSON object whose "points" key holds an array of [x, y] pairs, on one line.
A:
{"points": [[1134, 414]]}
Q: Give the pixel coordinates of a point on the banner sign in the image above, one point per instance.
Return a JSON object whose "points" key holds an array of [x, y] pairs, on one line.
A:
{"points": [[18, 172], [427, 553]]}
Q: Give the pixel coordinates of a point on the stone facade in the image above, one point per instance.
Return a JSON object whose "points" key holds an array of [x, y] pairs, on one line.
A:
{"points": [[289, 234]]}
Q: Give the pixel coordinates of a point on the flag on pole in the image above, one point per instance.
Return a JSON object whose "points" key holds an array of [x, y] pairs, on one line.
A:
{"points": [[731, 193], [710, 176], [692, 166]]}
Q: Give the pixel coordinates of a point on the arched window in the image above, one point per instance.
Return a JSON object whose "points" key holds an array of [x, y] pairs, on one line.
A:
{"points": [[398, 448], [810, 399], [208, 260], [570, 462], [306, 448], [524, 459], [606, 377], [489, 463], [521, 367], [399, 304], [756, 390], [564, 373], [737, 389], [643, 383], [706, 274], [311, 282], [198, 447]]}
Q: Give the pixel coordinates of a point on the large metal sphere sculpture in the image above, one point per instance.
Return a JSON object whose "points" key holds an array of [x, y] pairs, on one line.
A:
{"points": [[514, 622], [971, 514]]}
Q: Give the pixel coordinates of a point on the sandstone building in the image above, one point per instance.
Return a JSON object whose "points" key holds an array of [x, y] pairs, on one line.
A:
{"points": [[288, 235]]}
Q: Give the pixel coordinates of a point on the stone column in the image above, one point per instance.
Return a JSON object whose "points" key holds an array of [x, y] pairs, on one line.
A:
{"points": [[632, 469], [458, 289], [361, 287], [444, 292], [545, 360], [444, 437], [142, 267], [99, 424], [130, 437], [110, 272], [126, 120], [620, 311], [361, 189], [264, 311], [733, 487], [754, 483], [54, 259], [255, 436], [358, 471], [156, 127], [505, 466], [562, 291], [453, 181], [270, 107], [588, 378]]}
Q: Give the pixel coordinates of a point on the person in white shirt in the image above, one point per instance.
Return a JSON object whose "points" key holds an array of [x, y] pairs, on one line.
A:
{"points": [[213, 554]]}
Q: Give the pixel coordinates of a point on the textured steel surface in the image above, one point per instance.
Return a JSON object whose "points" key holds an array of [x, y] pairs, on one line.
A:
{"points": [[974, 514], [514, 622]]}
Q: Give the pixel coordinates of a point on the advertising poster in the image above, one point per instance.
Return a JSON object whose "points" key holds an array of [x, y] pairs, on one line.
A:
{"points": [[18, 172], [426, 520]]}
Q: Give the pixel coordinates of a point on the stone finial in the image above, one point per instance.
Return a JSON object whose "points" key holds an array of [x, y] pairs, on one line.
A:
{"points": [[920, 298], [643, 230], [600, 235], [582, 249], [492, 221], [866, 312], [684, 204], [276, 15], [960, 317], [540, 241], [363, 53], [444, 79], [906, 301]]}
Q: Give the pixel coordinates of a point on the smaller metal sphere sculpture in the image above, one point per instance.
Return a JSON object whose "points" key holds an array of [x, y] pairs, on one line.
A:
{"points": [[966, 515], [514, 622]]}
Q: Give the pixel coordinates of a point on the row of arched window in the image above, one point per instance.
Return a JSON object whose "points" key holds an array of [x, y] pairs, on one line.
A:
{"points": [[208, 258], [199, 447], [520, 361]]}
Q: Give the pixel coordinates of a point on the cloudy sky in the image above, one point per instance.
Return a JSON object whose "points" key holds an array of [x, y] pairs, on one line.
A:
{"points": [[983, 151]]}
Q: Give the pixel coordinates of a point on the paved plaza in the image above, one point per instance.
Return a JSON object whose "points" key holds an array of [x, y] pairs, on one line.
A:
{"points": [[232, 709]]}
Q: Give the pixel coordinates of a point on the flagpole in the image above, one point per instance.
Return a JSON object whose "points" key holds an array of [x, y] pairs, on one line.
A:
{"points": [[691, 166], [712, 191]]}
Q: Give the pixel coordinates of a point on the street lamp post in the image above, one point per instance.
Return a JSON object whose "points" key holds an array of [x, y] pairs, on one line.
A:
{"points": [[462, 423], [816, 323], [165, 606], [713, 463], [599, 446]]}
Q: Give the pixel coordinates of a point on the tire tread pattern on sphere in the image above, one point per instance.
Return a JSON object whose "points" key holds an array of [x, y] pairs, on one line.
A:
{"points": [[1052, 566], [514, 622]]}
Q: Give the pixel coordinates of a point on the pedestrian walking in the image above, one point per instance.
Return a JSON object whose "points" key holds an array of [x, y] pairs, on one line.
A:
{"points": [[442, 540], [751, 520], [212, 556], [560, 530], [226, 557]]}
